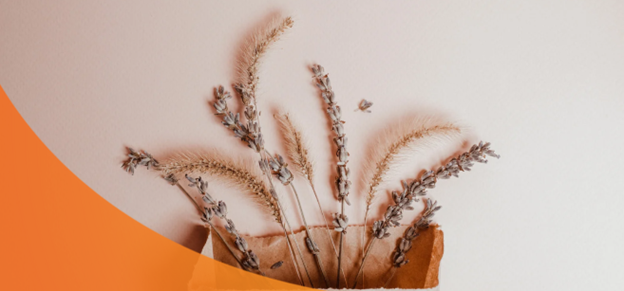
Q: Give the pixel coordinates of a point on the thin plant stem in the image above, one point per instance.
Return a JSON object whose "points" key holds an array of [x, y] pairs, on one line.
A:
{"points": [[290, 248], [329, 236], [279, 168], [225, 243], [370, 246], [281, 208], [317, 257], [363, 238], [340, 247], [341, 221], [392, 272], [190, 197], [298, 153]]}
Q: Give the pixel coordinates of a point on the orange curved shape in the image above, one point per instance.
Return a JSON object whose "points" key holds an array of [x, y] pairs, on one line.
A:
{"points": [[58, 234]]}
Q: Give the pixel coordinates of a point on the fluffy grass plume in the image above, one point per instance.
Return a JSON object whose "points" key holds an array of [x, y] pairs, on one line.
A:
{"points": [[231, 171], [296, 147], [256, 47]]}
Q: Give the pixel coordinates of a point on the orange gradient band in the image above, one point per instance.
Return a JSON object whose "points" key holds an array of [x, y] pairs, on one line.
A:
{"points": [[58, 234]]}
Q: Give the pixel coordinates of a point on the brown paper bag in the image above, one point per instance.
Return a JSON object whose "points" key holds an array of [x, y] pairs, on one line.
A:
{"points": [[420, 273]]}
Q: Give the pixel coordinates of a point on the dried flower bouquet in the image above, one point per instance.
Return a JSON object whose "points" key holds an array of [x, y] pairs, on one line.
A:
{"points": [[273, 166]]}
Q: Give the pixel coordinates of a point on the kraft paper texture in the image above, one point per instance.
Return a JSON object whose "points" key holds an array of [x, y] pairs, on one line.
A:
{"points": [[420, 273]]}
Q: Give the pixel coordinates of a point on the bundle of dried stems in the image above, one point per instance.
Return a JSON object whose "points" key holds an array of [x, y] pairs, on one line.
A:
{"points": [[273, 166]]}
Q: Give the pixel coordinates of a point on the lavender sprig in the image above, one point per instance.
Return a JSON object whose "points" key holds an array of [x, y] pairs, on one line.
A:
{"points": [[280, 169], [140, 158], [399, 258], [364, 105], [412, 232], [219, 209], [341, 222], [250, 133], [393, 215], [206, 214], [418, 187]]}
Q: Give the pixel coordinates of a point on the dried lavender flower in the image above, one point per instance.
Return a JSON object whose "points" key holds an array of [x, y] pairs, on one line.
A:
{"points": [[412, 137], [342, 182], [341, 222], [312, 246], [418, 187], [250, 133], [394, 213], [280, 169], [364, 105], [399, 256], [140, 158], [277, 265], [207, 215], [171, 178], [219, 209], [334, 112], [423, 222]]}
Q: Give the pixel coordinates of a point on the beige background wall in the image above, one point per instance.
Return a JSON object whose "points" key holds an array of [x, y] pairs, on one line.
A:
{"points": [[541, 80]]}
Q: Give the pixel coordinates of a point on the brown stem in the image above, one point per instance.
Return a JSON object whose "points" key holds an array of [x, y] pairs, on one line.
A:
{"points": [[305, 266], [201, 210], [363, 239], [211, 225], [281, 209], [290, 248], [340, 247], [370, 246], [328, 231], [392, 272], [317, 257], [226, 244]]}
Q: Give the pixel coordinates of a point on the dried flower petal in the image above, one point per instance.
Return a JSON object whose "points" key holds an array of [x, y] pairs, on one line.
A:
{"points": [[364, 105], [277, 265]]}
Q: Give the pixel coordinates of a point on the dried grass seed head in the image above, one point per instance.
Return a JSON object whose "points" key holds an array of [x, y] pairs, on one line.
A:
{"points": [[236, 173], [257, 47], [296, 147]]}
